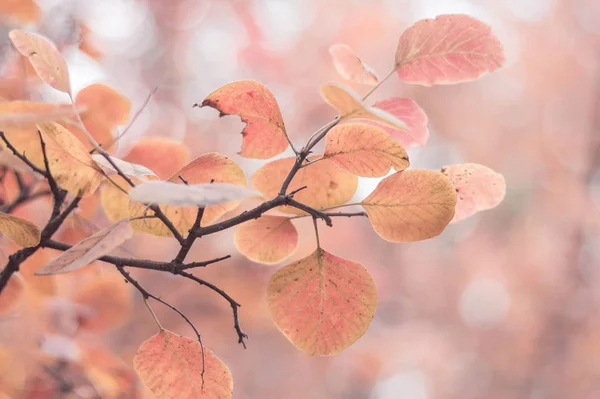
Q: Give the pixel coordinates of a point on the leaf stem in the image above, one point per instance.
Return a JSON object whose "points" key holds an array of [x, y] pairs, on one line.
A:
{"points": [[378, 85]]}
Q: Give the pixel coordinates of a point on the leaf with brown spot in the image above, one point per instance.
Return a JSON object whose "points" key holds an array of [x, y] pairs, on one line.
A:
{"points": [[264, 135], [322, 303], [364, 150], [171, 366], [350, 67], [411, 205], [21, 231], [449, 49], [350, 106], [90, 249], [45, 58], [326, 184], [268, 239], [477, 188]]}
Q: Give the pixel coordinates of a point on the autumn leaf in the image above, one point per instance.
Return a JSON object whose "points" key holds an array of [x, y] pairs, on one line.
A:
{"points": [[264, 135], [45, 58], [106, 109], [24, 114], [70, 163], [164, 156], [412, 205], [207, 168], [477, 188], [364, 150], [108, 299], [350, 67], [326, 184], [90, 249], [11, 294], [21, 231], [451, 48], [128, 168], [268, 239], [350, 106], [322, 303], [171, 366], [206, 194], [412, 115]]}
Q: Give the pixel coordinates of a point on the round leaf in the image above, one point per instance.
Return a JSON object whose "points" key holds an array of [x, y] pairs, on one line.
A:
{"points": [[412, 205], [322, 303], [171, 366], [364, 150], [477, 188], [350, 67]]}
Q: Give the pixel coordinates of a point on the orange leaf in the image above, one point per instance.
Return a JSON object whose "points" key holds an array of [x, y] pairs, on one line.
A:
{"points": [[106, 109], [162, 155], [211, 167], [364, 150], [109, 300], [412, 205], [350, 67], [70, 163], [21, 231], [264, 135], [268, 239], [23, 114], [11, 294], [23, 10], [322, 303], [327, 184], [171, 366], [477, 188], [90, 249], [47, 61], [350, 106], [412, 115], [451, 48]]}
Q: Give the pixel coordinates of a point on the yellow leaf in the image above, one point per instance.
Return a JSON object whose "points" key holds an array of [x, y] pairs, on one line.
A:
{"points": [[326, 184], [364, 150], [21, 231], [412, 205], [47, 61]]}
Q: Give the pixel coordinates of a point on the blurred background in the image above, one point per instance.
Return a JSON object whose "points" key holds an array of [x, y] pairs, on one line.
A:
{"points": [[502, 305]]}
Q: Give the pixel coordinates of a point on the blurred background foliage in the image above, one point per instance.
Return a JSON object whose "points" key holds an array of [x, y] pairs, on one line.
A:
{"points": [[503, 305]]}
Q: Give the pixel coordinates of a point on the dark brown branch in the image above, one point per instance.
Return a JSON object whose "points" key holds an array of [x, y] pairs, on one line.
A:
{"points": [[189, 240], [347, 214], [234, 305], [22, 157]]}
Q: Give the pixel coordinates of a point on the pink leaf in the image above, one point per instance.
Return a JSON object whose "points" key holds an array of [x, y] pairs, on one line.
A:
{"points": [[350, 67], [412, 115], [477, 188], [449, 49]]}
